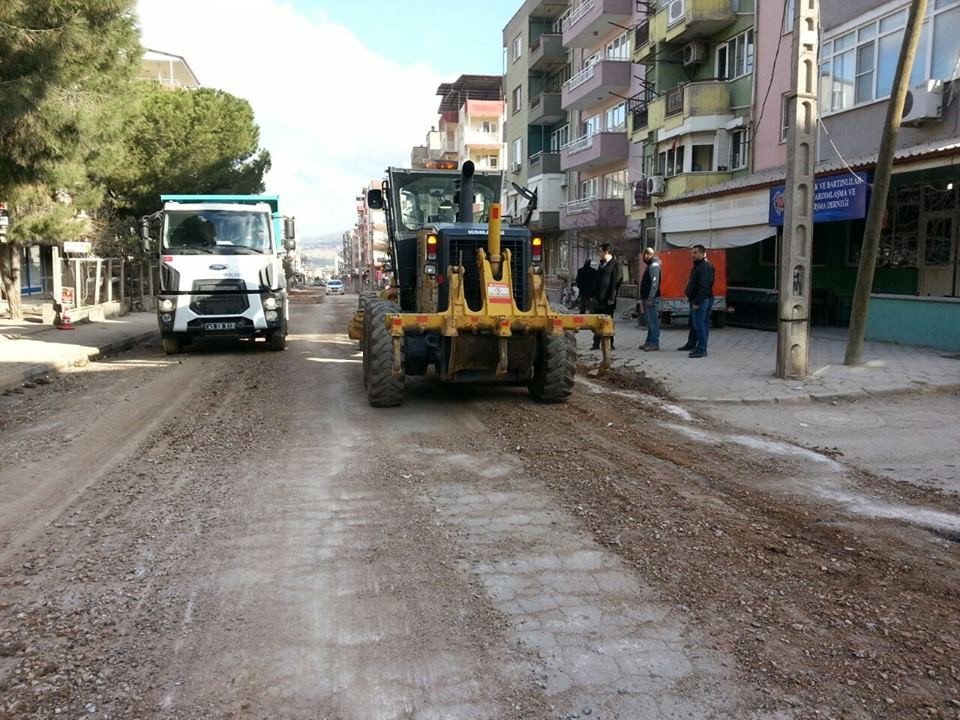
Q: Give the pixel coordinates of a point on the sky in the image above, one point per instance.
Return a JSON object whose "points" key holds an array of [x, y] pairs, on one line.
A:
{"points": [[341, 89]]}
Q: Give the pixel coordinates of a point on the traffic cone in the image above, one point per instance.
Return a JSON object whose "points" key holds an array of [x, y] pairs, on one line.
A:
{"points": [[65, 323]]}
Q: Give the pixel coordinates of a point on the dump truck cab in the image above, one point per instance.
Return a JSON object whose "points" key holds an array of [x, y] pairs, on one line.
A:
{"points": [[221, 268]]}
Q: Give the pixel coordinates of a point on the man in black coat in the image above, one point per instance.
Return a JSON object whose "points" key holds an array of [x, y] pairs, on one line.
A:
{"points": [[586, 279], [606, 288], [700, 296]]}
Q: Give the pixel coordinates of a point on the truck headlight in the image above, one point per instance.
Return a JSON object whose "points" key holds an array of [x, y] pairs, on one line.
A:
{"points": [[271, 315], [167, 305], [270, 303]]}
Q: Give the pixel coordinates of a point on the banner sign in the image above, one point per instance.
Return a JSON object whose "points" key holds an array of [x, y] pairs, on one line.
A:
{"points": [[838, 197]]}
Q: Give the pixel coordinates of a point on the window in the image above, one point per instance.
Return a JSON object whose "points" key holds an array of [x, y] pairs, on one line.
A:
{"points": [[670, 162], [517, 48], [701, 157], [616, 117], [489, 126], [858, 66], [515, 98], [735, 57], [614, 184], [738, 149], [518, 153], [784, 116], [789, 11], [559, 138], [619, 48], [490, 162], [588, 189], [591, 126]]}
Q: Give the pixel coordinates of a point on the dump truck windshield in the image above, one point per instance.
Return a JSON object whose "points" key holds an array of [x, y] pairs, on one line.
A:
{"points": [[217, 232], [430, 198]]}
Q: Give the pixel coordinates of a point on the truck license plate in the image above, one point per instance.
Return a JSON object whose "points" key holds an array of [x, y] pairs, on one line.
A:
{"points": [[220, 326]]}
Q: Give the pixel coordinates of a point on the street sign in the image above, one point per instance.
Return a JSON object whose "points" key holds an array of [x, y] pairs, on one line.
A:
{"points": [[77, 247]]}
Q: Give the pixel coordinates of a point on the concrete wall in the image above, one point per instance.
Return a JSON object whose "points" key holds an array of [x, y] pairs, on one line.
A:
{"points": [[934, 322]]}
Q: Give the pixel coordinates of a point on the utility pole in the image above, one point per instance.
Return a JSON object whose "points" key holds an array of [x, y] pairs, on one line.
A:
{"points": [[881, 184], [793, 325]]}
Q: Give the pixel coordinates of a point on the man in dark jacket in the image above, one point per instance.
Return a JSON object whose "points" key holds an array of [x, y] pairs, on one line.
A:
{"points": [[650, 299], [606, 288], [700, 296], [586, 279]]}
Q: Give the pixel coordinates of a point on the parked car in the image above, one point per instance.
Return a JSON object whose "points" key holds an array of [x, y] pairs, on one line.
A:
{"points": [[334, 287], [318, 282]]}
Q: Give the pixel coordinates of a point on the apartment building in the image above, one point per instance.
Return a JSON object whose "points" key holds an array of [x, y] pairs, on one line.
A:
{"points": [[169, 70], [366, 246], [471, 122], [693, 115], [536, 125]]}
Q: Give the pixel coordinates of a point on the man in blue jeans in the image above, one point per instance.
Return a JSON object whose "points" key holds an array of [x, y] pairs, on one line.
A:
{"points": [[650, 299], [700, 297]]}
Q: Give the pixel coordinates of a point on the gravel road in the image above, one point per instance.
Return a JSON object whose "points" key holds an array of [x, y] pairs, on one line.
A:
{"points": [[235, 534]]}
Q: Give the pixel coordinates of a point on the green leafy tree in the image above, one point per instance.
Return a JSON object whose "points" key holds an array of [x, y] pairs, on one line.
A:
{"points": [[66, 66], [187, 141]]}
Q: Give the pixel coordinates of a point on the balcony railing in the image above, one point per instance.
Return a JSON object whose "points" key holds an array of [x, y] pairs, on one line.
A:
{"points": [[580, 205], [578, 12], [580, 78], [576, 145]]}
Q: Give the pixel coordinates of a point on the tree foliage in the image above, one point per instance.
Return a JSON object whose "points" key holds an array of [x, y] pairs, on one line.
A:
{"points": [[187, 141]]}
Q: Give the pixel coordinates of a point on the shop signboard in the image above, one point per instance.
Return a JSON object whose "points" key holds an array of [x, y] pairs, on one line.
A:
{"points": [[835, 198]]}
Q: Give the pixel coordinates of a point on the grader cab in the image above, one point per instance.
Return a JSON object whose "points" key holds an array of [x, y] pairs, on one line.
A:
{"points": [[468, 301]]}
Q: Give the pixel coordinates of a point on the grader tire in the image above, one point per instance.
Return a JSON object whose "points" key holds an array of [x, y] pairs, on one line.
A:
{"points": [[556, 367], [365, 297], [383, 389]]}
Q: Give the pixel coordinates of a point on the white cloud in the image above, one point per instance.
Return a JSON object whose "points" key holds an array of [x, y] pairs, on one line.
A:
{"points": [[332, 112]]}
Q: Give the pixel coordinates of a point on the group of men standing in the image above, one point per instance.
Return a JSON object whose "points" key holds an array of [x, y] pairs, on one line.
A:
{"points": [[599, 288]]}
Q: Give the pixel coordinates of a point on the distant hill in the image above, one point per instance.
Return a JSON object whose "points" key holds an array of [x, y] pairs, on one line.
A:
{"points": [[331, 241]]}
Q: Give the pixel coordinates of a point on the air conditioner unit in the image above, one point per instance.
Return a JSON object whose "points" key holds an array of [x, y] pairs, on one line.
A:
{"points": [[656, 184], [675, 12], [924, 102], [516, 167], [694, 53]]}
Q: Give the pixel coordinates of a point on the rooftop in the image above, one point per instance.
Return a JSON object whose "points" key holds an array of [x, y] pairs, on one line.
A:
{"points": [[469, 87]]}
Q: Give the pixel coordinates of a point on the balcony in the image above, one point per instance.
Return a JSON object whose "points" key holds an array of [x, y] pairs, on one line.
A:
{"points": [[547, 53], [691, 182], [588, 18], [593, 151], [593, 212], [479, 138], [680, 21], [697, 107], [543, 164], [594, 84], [546, 109]]}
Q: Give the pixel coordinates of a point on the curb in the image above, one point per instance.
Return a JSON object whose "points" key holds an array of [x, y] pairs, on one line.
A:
{"points": [[79, 358], [814, 396]]}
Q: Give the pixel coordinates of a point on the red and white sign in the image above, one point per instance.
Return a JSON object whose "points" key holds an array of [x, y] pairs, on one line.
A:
{"points": [[66, 297], [498, 292]]}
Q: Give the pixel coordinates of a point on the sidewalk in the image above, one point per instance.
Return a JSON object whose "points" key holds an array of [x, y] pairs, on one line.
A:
{"points": [[29, 349], [741, 364]]}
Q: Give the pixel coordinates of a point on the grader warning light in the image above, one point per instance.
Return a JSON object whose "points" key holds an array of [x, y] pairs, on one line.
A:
{"points": [[537, 249]]}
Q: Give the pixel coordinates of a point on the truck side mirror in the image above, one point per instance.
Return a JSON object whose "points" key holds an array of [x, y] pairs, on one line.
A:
{"points": [[145, 241], [289, 228], [375, 199]]}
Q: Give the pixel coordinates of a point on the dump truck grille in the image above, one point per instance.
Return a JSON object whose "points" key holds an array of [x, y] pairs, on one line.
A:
{"points": [[471, 279], [219, 297]]}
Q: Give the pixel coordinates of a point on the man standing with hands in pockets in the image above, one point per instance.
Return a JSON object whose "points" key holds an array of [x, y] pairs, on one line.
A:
{"points": [[700, 296], [606, 288], [650, 299]]}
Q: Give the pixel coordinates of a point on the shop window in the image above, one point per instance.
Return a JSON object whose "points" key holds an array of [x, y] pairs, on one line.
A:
{"points": [[768, 251]]}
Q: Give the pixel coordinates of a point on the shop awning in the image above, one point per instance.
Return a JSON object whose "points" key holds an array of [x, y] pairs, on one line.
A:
{"points": [[720, 222]]}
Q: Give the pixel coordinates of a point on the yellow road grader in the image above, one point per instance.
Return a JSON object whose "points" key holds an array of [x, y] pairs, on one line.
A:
{"points": [[457, 309]]}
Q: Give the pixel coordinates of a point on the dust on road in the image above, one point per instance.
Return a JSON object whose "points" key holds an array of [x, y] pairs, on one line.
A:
{"points": [[237, 535]]}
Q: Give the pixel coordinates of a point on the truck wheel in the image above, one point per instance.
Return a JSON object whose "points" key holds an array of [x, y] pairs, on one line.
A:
{"points": [[365, 297], [383, 389], [555, 368], [172, 343], [719, 318]]}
